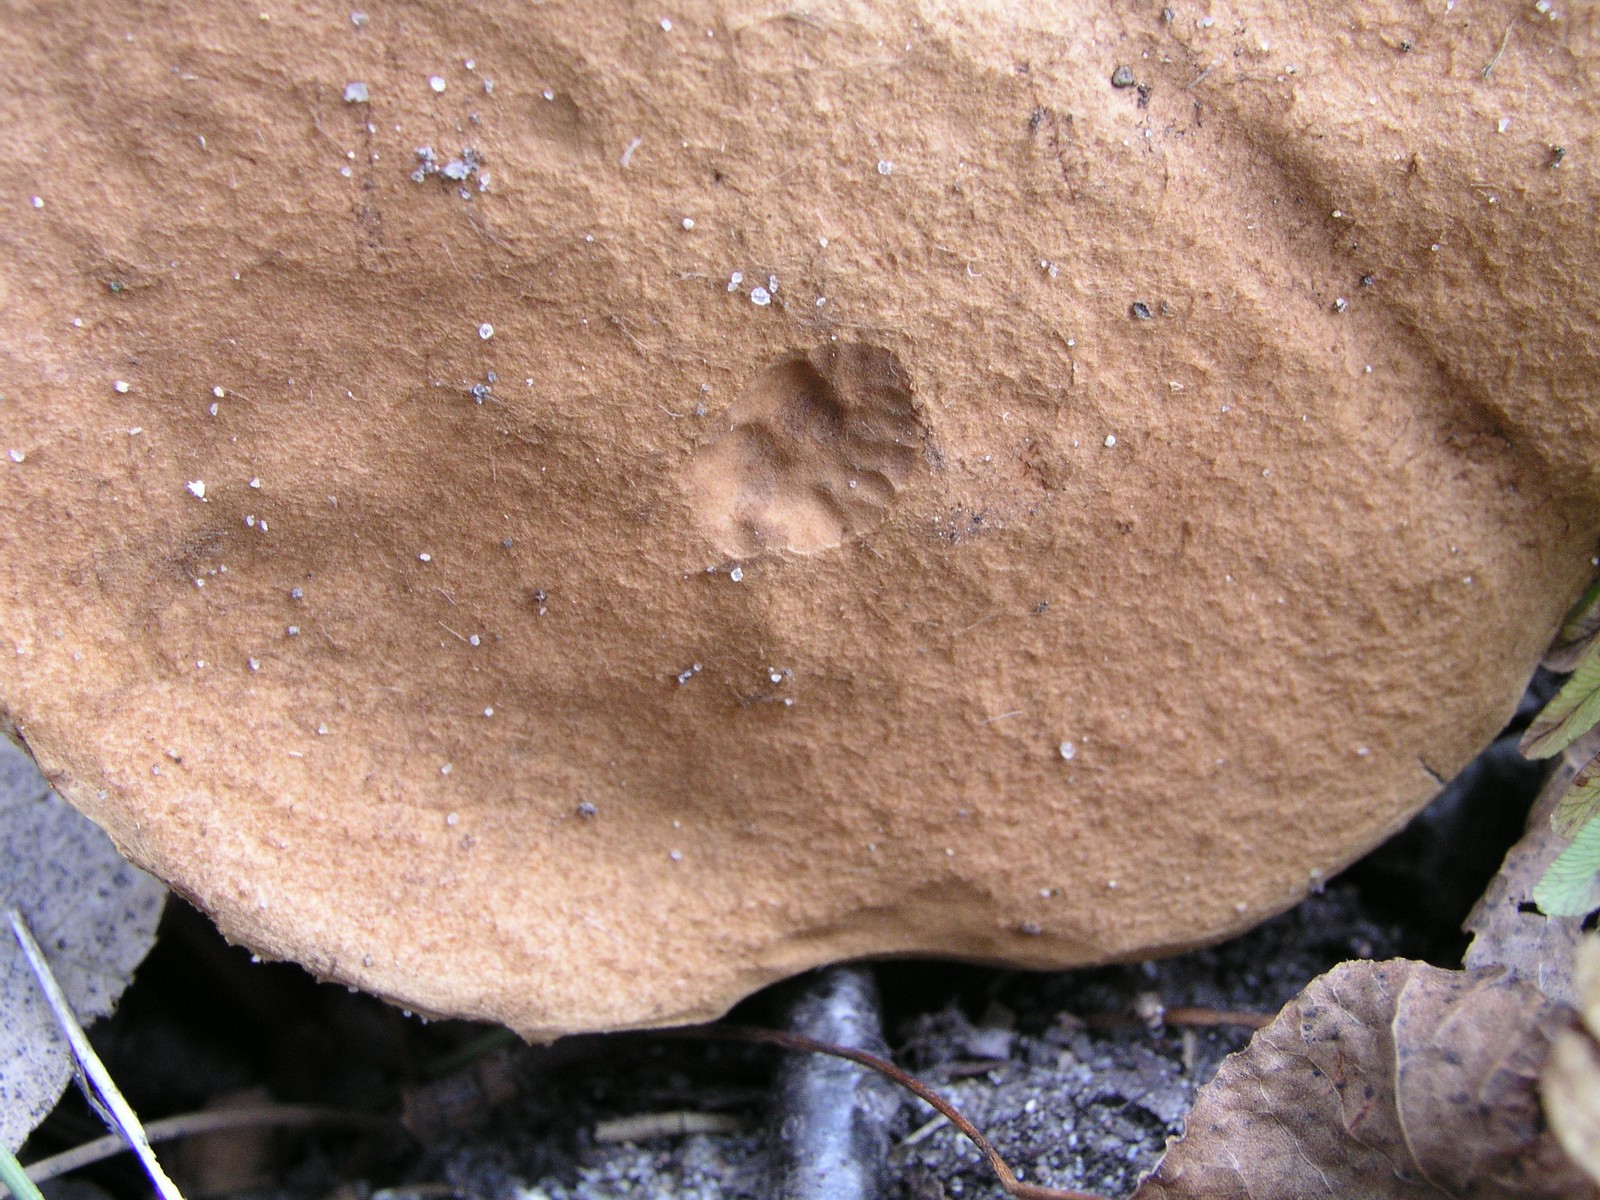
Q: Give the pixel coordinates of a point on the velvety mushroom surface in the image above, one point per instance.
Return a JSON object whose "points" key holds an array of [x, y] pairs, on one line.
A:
{"points": [[568, 513]]}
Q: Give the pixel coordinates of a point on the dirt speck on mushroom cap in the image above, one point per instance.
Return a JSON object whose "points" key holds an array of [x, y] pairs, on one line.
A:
{"points": [[1318, 534]]}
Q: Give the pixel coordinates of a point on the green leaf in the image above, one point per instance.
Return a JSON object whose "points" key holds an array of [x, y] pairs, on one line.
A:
{"points": [[1574, 711], [15, 1178], [1581, 624], [1571, 885], [1580, 803]]}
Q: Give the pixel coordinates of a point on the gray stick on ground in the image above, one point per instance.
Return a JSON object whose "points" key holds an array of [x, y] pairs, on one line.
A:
{"points": [[833, 1116]]}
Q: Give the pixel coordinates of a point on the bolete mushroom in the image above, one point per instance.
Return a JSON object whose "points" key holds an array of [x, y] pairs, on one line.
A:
{"points": [[566, 514]]}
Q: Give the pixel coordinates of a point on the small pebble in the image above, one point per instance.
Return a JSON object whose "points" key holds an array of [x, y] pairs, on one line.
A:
{"points": [[1122, 77]]}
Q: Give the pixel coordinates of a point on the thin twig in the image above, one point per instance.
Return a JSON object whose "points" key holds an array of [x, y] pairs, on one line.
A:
{"points": [[644, 1126], [795, 1041], [1202, 1017], [211, 1120], [1182, 1016], [101, 1089], [1488, 70]]}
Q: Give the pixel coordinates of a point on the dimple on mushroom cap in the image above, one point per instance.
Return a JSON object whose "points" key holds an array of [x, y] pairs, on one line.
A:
{"points": [[668, 638]]}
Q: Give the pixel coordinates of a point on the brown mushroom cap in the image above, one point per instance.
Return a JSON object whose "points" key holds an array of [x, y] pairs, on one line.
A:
{"points": [[1117, 510]]}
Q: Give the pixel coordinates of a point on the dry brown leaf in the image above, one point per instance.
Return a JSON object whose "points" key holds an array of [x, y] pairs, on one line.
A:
{"points": [[1508, 930], [1570, 1083], [1570, 1087], [1383, 1080], [1581, 625]]}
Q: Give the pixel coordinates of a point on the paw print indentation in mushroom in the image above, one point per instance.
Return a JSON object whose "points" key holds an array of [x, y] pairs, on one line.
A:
{"points": [[815, 449]]}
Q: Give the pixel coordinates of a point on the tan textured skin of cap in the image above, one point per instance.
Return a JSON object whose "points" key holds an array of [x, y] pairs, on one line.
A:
{"points": [[1093, 515]]}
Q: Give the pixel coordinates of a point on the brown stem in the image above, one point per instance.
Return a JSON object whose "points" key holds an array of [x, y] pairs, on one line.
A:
{"points": [[795, 1041]]}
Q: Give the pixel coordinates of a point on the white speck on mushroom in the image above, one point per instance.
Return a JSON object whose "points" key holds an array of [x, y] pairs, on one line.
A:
{"points": [[447, 768], [737, 574], [627, 155], [452, 819], [322, 729], [293, 631], [685, 676], [486, 331], [358, 19], [36, 201], [548, 94], [253, 663], [675, 855], [424, 557], [1111, 440], [120, 387], [666, 24], [1069, 751], [474, 640], [197, 488], [1362, 751], [436, 82], [255, 483], [212, 408], [885, 167], [688, 222], [1503, 124], [735, 280], [760, 297], [16, 456], [355, 93], [488, 712]]}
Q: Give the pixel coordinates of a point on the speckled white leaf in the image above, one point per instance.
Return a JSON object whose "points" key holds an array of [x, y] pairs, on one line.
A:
{"points": [[94, 915]]}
